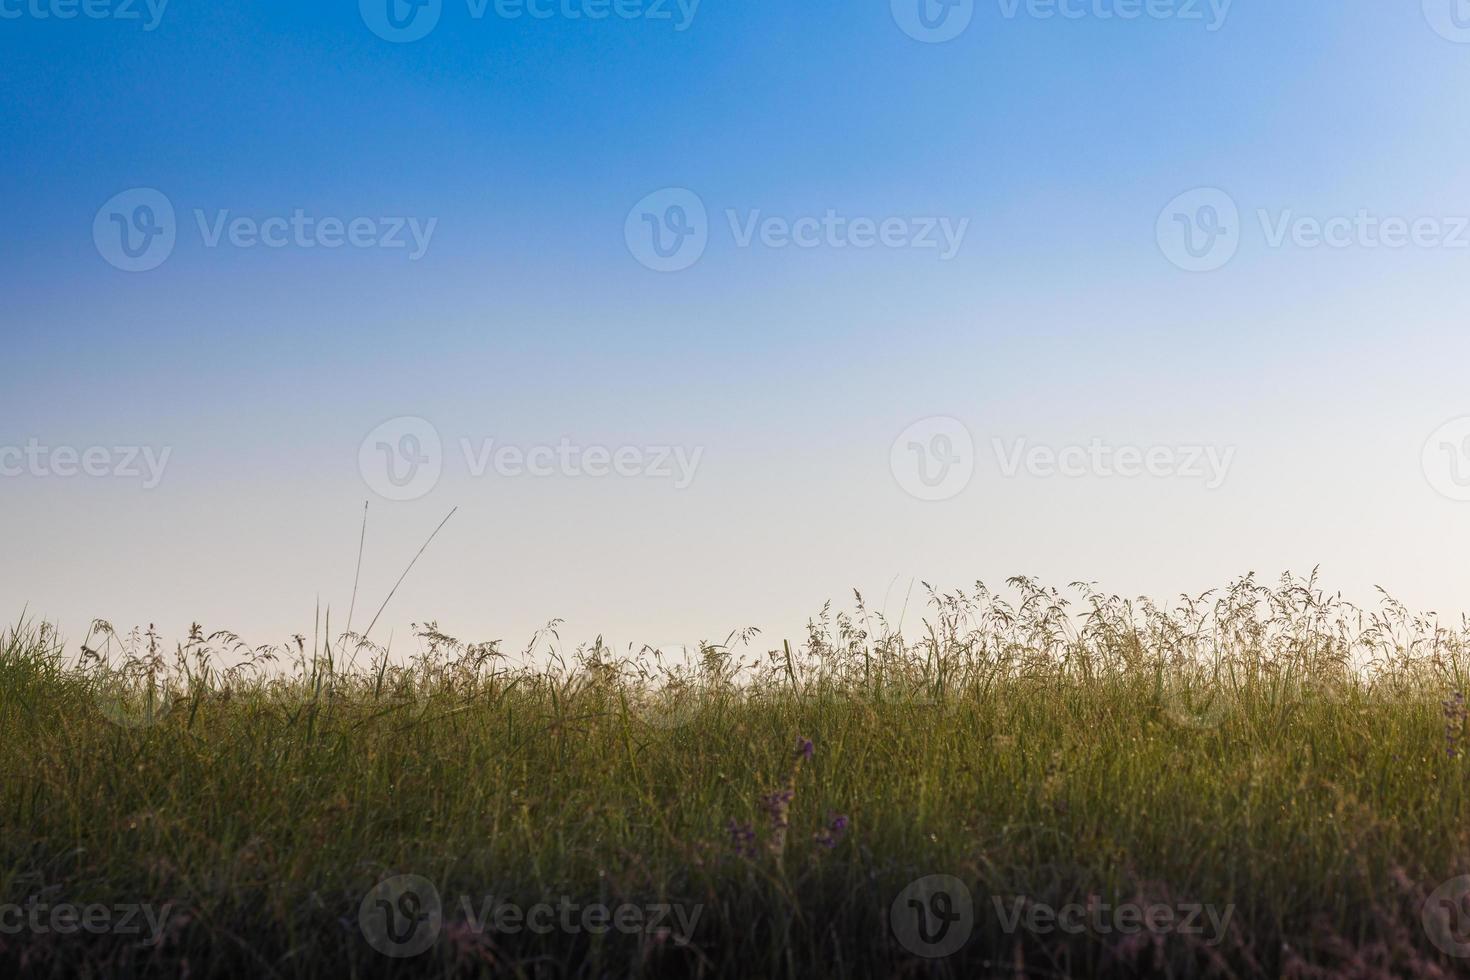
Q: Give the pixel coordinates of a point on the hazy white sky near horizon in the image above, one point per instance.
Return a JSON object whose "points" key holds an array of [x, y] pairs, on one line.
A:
{"points": [[540, 149]]}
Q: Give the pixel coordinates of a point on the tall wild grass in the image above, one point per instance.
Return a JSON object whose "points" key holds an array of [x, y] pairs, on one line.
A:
{"points": [[1267, 749]]}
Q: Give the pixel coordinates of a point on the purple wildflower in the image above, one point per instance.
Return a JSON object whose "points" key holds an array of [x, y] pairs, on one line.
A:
{"points": [[742, 838], [778, 808], [831, 835], [777, 805], [1454, 723], [804, 748]]}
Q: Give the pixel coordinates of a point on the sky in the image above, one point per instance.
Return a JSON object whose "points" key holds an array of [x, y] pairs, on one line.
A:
{"points": [[702, 314]]}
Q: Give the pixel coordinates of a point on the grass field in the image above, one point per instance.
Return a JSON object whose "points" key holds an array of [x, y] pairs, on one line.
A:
{"points": [[1261, 781]]}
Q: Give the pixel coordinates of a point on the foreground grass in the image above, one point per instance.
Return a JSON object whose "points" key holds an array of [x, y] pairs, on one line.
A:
{"points": [[1286, 763]]}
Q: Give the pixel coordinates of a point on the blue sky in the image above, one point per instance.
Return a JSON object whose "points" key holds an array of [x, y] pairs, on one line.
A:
{"points": [[528, 147]]}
